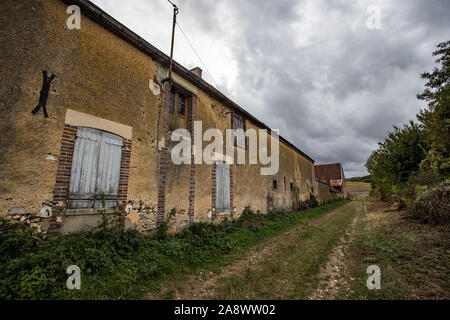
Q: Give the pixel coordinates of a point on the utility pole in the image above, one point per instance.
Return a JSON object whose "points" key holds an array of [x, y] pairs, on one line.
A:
{"points": [[164, 154], [175, 12]]}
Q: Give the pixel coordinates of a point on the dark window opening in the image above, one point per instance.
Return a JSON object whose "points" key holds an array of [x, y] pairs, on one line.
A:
{"points": [[284, 181], [172, 101], [292, 186], [275, 184], [238, 122], [181, 104]]}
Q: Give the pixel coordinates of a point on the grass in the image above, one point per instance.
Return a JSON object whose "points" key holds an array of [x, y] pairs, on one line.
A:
{"points": [[413, 257], [291, 272], [127, 265]]}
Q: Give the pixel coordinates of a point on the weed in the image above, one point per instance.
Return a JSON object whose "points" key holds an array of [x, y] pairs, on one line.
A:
{"points": [[163, 227]]}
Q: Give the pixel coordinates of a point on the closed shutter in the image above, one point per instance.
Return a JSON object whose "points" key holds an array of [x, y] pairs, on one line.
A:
{"points": [[222, 187], [109, 168], [95, 169], [84, 168]]}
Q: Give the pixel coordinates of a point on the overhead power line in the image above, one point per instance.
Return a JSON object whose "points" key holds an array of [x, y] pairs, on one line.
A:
{"points": [[173, 4], [198, 56]]}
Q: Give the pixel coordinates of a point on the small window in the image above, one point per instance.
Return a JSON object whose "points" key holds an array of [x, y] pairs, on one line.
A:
{"points": [[172, 101], [275, 184], [292, 186], [181, 104], [239, 137], [178, 107], [284, 181]]}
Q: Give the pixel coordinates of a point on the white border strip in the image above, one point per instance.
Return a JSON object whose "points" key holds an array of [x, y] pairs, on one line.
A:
{"points": [[79, 119]]}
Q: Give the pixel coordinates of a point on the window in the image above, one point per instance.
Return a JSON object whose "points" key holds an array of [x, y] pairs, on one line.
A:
{"points": [[181, 104], [172, 100], [177, 109], [95, 169], [238, 123], [275, 184], [292, 186]]}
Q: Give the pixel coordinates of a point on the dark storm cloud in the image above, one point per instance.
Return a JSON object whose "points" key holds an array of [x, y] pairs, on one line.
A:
{"points": [[336, 100], [315, 71]]}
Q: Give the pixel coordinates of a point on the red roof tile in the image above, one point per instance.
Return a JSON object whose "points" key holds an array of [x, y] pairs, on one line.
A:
{"points": [[327, 172]]}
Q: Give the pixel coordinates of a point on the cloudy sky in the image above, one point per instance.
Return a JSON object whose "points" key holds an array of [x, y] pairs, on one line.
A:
{"points": [[311, 68]]}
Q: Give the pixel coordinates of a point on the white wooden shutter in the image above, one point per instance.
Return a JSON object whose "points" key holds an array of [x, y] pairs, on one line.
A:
{"points": [[95, 169], [222, 187], [84, 168], [109, 168]]}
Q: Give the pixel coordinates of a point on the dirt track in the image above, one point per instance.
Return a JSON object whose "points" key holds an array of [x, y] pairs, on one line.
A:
{"points": [[209, 285]]}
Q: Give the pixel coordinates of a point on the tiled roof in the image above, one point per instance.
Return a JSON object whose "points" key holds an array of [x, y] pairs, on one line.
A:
{"points": [[327, 172]]}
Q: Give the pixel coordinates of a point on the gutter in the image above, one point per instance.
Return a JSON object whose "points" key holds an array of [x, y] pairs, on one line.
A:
{"points": [[108, 22]]}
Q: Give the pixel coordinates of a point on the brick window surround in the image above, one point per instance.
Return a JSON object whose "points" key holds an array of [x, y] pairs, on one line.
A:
{"points": [[61, 190], [164, 155]]}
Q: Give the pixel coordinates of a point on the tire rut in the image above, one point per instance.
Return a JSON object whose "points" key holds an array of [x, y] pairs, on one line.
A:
{"points": [[202, 285]]}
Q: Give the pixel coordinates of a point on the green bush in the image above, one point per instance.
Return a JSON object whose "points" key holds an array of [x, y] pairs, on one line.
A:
{"points": [[433, 205], [164, 226], [427, 178], [247, 211], [117, 263], [16, 240], [312, 201], [302, 205]]}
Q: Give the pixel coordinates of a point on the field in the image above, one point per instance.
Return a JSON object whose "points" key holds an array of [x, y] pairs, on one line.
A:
{"points": [[358, 187]]}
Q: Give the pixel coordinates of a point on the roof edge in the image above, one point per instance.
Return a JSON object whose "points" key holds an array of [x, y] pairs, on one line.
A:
{"points": [[108, 22], [328, 164]]}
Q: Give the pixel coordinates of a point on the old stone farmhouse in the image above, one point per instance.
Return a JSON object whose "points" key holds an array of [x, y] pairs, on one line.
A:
{"points": [[106, 137]]}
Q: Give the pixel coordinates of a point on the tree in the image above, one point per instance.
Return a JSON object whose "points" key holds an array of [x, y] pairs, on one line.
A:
{"points": [[416, 156], [398, 157], [436, 119]]}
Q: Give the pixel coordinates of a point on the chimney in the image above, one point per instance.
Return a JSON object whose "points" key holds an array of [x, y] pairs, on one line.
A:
{"points": [[197, 71]]}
